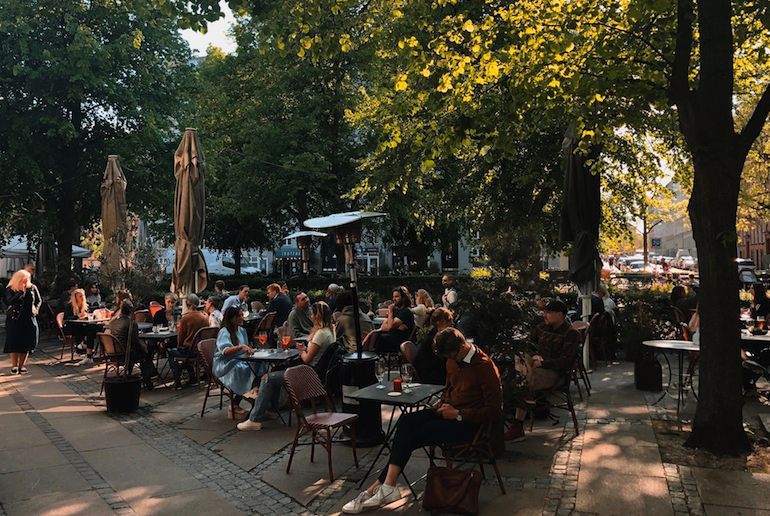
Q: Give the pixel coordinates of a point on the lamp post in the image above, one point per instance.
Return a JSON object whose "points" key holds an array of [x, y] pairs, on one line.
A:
{"points": [[358, 367]]}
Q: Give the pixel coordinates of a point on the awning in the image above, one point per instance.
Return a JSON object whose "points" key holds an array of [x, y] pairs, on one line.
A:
{"points": [[288, 252], [17, 248]]}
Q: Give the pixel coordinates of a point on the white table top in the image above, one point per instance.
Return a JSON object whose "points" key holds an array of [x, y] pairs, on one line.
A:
{"points": [[678, 345], [745, 335]]}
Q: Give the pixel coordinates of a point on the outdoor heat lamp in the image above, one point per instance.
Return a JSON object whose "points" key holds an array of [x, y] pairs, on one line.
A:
{"points": [[357, 368], [348, 228], [305, 244]]}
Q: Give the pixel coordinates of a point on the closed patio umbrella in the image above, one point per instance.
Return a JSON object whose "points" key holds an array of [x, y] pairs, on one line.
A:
{"points": [[580, 219], [190, 273], [114, 215]]}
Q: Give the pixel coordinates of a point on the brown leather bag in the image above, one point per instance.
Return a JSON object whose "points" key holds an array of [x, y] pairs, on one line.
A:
{"points": [[453, 491]]}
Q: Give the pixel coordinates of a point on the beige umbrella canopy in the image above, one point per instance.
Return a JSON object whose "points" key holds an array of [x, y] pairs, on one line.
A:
{"points": [[190, 271], [114, 215]]}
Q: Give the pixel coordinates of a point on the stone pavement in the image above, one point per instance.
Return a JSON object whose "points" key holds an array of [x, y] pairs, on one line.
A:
{"points": [[63, 454]]}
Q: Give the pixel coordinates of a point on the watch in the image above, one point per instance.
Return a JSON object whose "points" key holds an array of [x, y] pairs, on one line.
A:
{"points": [[459, 415]]}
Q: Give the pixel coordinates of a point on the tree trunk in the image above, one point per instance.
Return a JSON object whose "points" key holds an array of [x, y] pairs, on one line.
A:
{"points": [[718, 424], [237, 254]]}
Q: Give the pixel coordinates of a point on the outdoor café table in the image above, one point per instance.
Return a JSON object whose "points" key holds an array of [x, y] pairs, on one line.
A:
{"points": [[680, 346], [377, 322], [271, 357], [153, 339], [419, 394], [754, 344]]}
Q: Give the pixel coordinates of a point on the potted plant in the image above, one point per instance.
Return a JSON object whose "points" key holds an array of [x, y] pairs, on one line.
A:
{"points": [[122, 391]]}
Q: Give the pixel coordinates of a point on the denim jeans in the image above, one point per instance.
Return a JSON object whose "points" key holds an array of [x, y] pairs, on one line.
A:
{"points": [[176, 370], [269, 395]]}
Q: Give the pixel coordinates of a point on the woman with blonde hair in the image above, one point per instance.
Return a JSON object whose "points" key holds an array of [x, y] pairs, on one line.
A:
{"points": [[422, 308], [20, 333], [75, 310], [320, 339]]}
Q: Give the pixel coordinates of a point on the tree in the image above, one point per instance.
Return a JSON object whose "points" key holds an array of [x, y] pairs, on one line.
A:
{"points": [[79, 81]]}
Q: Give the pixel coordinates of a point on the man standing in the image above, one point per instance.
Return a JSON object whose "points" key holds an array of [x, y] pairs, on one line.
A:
{"points": [[300, 324], [279, 303], [556, 343], [191, 322], [450, 292], [238, 300]]}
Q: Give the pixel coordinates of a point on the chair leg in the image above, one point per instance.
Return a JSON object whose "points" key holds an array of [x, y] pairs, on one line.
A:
{"points": [[571, 407], [577, 384], [312, 446], [352, 430], [497, 472], [206, 398], [221, 395], [104, 378], [293, 447], [329, 453]]}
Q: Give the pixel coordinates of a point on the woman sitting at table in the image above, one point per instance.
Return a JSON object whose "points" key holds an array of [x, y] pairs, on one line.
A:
{"points": [[236, 375], [398, 326], [321, 337], [760, 307], [212, 310], [93, 296], [77, 309], [423, 306]]}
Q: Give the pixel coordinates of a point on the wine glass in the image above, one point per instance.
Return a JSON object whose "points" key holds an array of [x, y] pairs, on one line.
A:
{"points": [[760, 324], [286, 340], [407, 373], [262, 338], [380, 370], [750, 325]]}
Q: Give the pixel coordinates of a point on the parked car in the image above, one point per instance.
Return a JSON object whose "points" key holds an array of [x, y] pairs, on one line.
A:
{"points": [[686, 262], [636, 266]]}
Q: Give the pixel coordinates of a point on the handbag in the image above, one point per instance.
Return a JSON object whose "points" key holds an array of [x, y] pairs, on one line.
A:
{"points": [[454, 491]]}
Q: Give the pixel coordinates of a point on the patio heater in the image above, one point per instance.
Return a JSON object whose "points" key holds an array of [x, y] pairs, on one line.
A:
{"points": [[305, 244], [357, 368]]}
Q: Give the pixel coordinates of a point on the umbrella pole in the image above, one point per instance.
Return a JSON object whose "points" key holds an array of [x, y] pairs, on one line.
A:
{"points": [[350, 255], [585, 298]]}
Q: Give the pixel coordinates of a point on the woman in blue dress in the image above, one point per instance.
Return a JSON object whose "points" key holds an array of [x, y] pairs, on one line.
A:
{"points": [[236, 375]]}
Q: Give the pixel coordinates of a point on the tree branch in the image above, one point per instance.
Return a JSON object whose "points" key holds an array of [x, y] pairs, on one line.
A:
{"points": [[756, 122]]}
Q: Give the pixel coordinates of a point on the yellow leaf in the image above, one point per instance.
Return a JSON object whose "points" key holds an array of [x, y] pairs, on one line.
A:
{"points": [[492, 69], [468, 26], [427, 165], [553, 84], [598, 97], [425, 72]]}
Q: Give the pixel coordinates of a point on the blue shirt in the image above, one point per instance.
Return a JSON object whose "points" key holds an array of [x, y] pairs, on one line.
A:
{"points": [[234, 301]]}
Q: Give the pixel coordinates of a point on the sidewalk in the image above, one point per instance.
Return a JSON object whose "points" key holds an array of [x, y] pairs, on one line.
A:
{"points": [[62, 454]]}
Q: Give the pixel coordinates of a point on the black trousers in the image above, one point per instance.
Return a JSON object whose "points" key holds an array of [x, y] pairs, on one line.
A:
{"points": [[424, 428]]}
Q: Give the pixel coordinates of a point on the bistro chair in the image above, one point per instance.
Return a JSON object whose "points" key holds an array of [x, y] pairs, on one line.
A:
{"points": [[478, 451], [206, 350], [142, 316], [194, 359], [114, 355], [267, 325], [558, 397], [303, 384], [256, 306], [579, 372], [65, 339]]}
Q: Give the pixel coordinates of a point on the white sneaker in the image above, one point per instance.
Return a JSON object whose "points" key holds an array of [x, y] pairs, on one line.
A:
{"points": [[356, 505], [86, 361], [382, 497], [250, 425]]}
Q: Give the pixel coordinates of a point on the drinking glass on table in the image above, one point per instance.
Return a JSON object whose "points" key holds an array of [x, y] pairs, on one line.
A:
{"points": [[262, 338], [750, 325], [286, 340], [380, 370], [407, 373], [760, 323]]}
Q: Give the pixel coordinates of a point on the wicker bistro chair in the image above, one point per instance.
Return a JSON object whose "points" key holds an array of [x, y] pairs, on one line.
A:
{"points": [[303, 384], [558, 397], [267, 325], [65, 339], [114, 354], [206, 349], [579, 372], [478, 451], [208, 332], [142, 316]]}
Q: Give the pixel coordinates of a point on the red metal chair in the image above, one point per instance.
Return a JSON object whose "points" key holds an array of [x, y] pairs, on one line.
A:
{"points": [[303, 384], [206, 350]]}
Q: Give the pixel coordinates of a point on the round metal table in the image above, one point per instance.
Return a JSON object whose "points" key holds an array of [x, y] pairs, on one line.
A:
{"points": [[680, 346]]}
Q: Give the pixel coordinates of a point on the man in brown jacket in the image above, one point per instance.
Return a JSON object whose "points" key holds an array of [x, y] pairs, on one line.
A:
{"points": [[473, 397], [191, 322]]}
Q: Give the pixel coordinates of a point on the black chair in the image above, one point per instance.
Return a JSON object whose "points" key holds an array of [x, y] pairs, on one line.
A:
{"points": [[266, 325], [557, 397], [478, 451], [114, 355], [206, 350]]}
